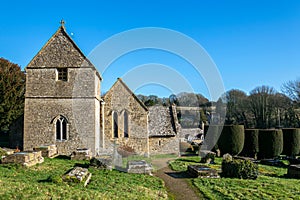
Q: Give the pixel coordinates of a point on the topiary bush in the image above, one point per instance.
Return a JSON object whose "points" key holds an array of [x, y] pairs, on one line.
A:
{"points": [[291, 141], [211, 136], [270, 143], [232, 139], [236, 168], [251, 146]]}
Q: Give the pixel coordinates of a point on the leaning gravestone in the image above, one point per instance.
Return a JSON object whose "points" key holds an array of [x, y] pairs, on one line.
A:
{"points": [[139, 167], [78, 175]]}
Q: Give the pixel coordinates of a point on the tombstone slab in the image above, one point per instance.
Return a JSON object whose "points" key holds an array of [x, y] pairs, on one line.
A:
{"points": [[202, 171], [48, 151], [78, 175], [24, 158], [139, 167]]}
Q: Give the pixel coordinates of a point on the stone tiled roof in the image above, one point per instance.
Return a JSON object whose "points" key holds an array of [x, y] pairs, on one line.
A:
{"points": [[130, 92], [60, 51], [161, 122]]}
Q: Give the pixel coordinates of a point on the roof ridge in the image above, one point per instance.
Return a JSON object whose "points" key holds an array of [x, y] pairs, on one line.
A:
{"points": [[62, 30], [129, 90]]}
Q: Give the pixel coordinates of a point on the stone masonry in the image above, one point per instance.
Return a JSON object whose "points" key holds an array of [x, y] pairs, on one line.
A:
{"points": [[120, 100], [164, 127], [76, 99]]}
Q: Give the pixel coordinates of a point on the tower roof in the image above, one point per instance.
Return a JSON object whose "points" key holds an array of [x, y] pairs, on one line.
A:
{"points": [[60, 51]]}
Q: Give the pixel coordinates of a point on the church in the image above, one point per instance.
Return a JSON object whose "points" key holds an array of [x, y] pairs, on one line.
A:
{"points": [[63, 106]]}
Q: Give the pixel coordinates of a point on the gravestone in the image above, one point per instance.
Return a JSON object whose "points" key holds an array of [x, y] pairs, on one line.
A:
{"points": [[78, 175], [48, 151], [202, 171], [24, 158], [139, 167], [82, 154]]}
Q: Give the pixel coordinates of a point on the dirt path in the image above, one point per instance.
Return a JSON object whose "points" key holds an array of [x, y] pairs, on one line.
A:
{"points": [[175, 182]]}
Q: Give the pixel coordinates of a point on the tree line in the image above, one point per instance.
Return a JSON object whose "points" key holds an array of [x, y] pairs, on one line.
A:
{"points": [[264, 107]]}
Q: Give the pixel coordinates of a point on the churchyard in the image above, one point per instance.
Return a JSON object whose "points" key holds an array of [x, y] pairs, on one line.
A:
{"points": [[45, 181]]}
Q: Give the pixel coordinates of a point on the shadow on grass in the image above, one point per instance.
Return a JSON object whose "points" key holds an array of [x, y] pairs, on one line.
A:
{"points": [[83, 165], [178, 175], [63, 157], [187, 160]]}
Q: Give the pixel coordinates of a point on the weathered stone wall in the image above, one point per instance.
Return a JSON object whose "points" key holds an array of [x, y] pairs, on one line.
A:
{"points": [[77, 99], [39, 125], [120, 99], [163, 128], [161, 122], [164, 145]]}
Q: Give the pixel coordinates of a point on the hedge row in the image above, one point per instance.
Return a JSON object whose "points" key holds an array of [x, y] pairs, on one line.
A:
{"points": [[270, 143], [291, 141], [251, 143], [228, 139], [264, 143], [231, 139]]}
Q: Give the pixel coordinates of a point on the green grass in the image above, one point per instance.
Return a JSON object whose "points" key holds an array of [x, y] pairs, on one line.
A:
{"points": [[17, 182], [271, 183]]}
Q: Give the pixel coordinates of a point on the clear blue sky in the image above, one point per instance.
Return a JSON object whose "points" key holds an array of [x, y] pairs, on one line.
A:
{"points": [[252, 42]]}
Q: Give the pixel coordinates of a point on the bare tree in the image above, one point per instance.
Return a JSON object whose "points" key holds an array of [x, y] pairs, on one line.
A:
{"points": [[260, 104], [292, 89]]}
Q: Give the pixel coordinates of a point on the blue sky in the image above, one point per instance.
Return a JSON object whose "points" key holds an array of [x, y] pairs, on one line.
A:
{"points": [[252, 43]]}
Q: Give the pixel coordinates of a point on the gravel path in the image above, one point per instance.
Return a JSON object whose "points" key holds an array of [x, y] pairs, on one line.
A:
{"points": [[175, 182]]}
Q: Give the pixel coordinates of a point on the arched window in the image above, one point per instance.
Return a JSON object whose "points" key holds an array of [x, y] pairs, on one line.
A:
{"points": [[115, 125], [61, 128], [125, 124]]}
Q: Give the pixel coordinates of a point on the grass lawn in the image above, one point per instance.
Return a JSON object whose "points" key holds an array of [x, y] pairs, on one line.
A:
{"points": [[270, 184], [17, 182]]}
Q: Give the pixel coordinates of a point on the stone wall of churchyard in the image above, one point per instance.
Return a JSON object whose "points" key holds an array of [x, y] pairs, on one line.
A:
{"points": [[120, 100]]}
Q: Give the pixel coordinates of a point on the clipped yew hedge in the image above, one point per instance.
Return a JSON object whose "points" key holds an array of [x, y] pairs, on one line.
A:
{"points": [[232, 139], [211, 133], [291, 141], [270, 143], [251, 146]]}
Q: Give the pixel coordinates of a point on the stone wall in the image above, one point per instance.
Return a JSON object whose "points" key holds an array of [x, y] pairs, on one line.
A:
{"points": [[120, 99], [39, 123], [164, 145], [163, 127], [77, 99]]}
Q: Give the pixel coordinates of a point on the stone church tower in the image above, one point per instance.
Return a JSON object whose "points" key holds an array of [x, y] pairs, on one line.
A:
{"points": [[62, 100]]}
